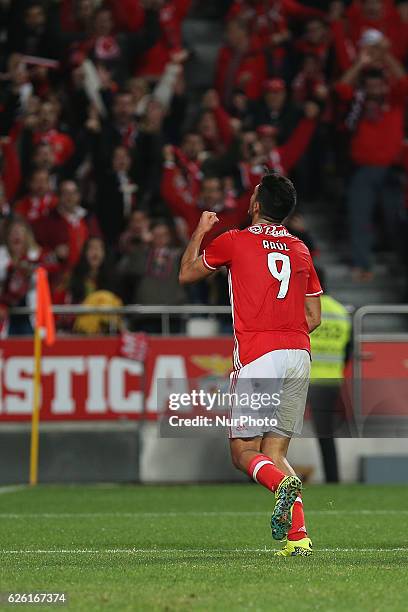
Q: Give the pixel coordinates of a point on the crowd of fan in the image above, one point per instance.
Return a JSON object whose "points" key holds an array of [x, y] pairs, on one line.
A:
{"points": [[108, 156]]}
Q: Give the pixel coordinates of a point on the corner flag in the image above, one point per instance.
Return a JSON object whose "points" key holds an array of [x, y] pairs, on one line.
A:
{"points": [[44, 322], [44, 318]]}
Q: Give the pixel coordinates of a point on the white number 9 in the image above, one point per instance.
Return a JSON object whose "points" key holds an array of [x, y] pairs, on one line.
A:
{"points": [[284, 275]]}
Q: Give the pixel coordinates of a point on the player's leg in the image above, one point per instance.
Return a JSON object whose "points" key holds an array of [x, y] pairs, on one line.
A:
{"points": [[265, 374], [289, 489], [247, 456], [276, 443], [243, 451], [276, 448], [245, 439], [298, 543]]}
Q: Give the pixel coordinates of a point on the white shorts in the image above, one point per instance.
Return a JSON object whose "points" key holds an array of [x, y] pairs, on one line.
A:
{"points": [[277, 384]]}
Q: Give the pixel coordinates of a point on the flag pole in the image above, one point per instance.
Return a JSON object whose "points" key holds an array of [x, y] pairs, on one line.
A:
{"points": [[44, 319], [35, 417]]}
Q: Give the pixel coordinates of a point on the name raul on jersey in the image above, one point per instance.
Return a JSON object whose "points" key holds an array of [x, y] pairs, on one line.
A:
{"points": [[280, 246]]}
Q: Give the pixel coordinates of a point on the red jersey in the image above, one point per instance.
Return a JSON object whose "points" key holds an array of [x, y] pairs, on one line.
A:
{"points": [[270, 273], [33, 208], [61, 144]]}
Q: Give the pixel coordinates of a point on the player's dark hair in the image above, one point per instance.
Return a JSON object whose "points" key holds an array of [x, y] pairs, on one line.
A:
{"points": [[276, 196]]}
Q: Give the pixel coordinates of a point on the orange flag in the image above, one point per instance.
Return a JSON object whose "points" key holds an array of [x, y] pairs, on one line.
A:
{"points": [[44, 317]]}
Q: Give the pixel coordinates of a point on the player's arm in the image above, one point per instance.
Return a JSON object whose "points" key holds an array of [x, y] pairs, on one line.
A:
{"points": [[192, 268], [313, 311], [312, 298]]}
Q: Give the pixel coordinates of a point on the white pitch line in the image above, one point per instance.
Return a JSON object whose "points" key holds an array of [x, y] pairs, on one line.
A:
{"points": [[11, 489], [135, 515], [209, 551]]}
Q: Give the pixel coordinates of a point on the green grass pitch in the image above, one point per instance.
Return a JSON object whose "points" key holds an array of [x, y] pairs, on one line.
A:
{"points": [[208, 547]]}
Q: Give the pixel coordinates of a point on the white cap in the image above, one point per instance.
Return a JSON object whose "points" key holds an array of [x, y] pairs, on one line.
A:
{"points": [[371, 37]]}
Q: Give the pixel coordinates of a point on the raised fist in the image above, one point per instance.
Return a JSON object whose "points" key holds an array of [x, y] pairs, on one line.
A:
{"points": [[207, 221]]}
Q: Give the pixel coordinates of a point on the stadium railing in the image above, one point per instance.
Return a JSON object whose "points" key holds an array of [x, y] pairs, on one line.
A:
{"points": [[163, 311], [364, 340]]}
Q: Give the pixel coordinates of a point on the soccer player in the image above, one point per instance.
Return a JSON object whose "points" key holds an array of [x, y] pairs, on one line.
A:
{"points": [[275, 300]]}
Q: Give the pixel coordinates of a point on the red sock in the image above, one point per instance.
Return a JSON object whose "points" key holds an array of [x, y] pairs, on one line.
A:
{"points": [[298, 529], [263, 470]]}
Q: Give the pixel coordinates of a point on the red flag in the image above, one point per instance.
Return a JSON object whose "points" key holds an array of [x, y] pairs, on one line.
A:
{"points": [[44, 317], [134, 345]]}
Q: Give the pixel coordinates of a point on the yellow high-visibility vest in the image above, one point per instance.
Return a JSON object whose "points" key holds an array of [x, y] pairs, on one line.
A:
{"points": [[329, 340]]}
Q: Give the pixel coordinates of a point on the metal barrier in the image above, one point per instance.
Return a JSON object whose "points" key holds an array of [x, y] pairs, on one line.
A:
{"points": [[360, 333], [359, 336], [164, 311]]}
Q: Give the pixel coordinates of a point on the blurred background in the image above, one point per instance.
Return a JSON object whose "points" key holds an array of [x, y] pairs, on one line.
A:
{"points": [[120, 122]]}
